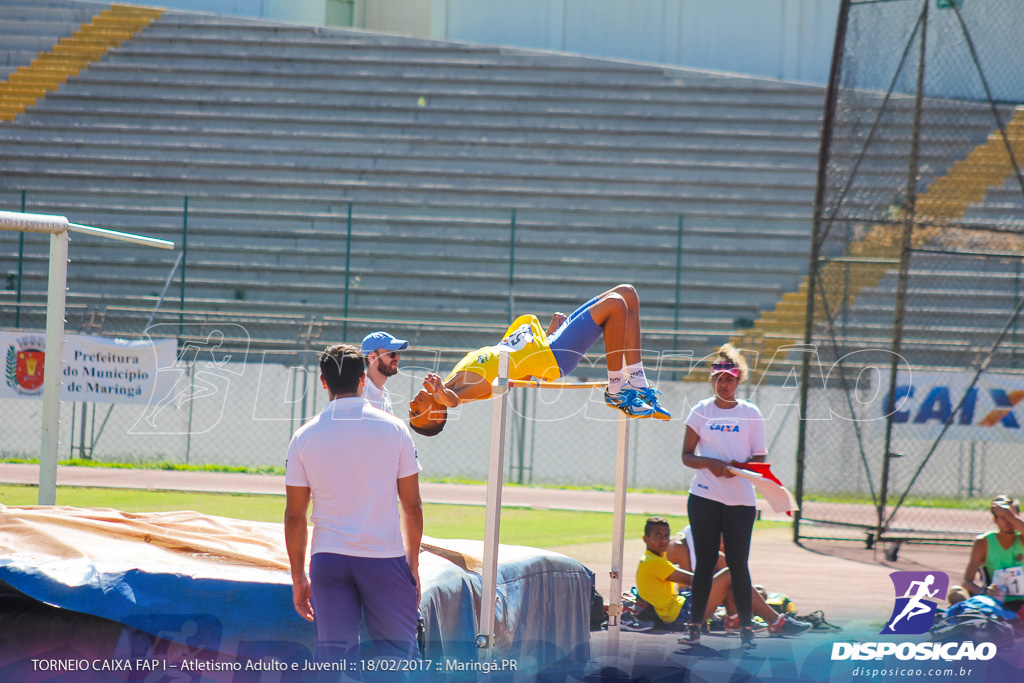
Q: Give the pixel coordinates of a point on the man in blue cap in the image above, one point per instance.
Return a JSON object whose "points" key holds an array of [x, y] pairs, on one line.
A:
{"points": [[380, 352]]}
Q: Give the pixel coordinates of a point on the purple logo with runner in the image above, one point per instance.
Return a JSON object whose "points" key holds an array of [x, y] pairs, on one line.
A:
{"points": [[916, 595]]}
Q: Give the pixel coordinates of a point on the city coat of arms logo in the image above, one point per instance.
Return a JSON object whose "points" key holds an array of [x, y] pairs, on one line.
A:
{"points": [[24, 367]]}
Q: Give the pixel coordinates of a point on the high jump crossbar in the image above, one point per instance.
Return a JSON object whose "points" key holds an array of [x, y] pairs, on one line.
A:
{"points": [[492, 527], [57, 227], [535, 384]]}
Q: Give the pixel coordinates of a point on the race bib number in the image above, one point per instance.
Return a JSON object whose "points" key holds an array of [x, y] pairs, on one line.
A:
{"points": [[519, 339], [1011, 580]]}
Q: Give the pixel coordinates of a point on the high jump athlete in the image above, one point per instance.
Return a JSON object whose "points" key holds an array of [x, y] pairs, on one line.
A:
{"points": [[549, 355]]}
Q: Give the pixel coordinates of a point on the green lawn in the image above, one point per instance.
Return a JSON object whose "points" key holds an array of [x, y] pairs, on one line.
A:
{"points": [[534, 528], [519, 526]]}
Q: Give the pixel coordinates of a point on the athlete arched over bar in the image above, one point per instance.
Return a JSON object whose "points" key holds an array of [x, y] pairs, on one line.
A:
{"points": [[549, 355]]}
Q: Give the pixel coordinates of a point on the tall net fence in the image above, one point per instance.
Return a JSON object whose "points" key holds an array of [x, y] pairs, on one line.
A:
{"points": [[915, 280]]}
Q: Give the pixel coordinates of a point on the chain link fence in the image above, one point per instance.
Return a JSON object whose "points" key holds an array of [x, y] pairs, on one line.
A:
{"points": [[277, 261], [254, 289], [914, 291], [233, 406]]}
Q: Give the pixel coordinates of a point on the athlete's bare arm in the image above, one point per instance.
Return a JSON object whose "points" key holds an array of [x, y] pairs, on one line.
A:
{"points": [[467, 386], [979, 551]]}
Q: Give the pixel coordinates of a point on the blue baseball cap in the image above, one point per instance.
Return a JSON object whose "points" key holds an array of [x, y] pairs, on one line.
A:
{"points": [[381, 340]]}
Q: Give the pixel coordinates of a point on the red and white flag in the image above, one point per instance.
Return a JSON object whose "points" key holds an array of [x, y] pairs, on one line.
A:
{"points": [[768, 485]]}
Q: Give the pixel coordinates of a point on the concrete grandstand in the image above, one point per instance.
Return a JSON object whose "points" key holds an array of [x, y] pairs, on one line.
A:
{"points": [[346, 176]]}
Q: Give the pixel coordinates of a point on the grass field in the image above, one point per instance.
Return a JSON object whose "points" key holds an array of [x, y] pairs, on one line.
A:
{"points": [[519, 526]]}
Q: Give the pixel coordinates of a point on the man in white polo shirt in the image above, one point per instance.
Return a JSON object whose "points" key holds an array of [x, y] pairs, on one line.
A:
{"points": [[354, 462], [380, 350]]}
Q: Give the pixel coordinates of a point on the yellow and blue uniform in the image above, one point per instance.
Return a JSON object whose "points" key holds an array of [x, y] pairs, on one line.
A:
{"points": [[654, 587], [532, 353], [529, 354]]}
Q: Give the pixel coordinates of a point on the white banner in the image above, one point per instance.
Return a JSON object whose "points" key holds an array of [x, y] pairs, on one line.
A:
{"points": [[925, 400], [95, 369]]}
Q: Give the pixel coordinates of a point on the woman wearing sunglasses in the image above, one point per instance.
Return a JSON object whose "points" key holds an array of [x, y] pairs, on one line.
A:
{"points": [[722, 431]]}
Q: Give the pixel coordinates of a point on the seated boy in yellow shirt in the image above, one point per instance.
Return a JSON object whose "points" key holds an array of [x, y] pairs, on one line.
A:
{"points": [[658, 582]]}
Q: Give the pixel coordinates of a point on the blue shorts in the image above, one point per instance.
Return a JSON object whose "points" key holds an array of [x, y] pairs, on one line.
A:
{"points": [[574, 337], [683, 620]]}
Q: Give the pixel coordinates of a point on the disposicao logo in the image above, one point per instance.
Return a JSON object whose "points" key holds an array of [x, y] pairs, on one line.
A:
{"points": [[913, 612]]}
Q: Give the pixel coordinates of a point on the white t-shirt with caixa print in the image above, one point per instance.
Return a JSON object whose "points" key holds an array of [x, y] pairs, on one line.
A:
{"points": [[726, 434]]}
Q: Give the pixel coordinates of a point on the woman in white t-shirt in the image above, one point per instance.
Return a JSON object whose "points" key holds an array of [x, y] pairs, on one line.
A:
{"points": [[722, 431]]}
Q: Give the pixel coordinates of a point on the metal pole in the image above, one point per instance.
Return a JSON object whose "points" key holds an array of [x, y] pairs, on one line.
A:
{"points": [[81, 433], [533, 434], [904, 273], [191, 392], [293, 379], [315, 373], [348, 263], [679, 272], [816, 241], [305, 371], [520, 444], [492, 526], [21, 267], [846, 282], [512, 269], [618, 537], [184, 258], [122, 236], [55, 302], [92, 430], [636, 458], [57, 228], [71, 430], [305, 392], [163, 292], [970, 473], [1016, 295]]}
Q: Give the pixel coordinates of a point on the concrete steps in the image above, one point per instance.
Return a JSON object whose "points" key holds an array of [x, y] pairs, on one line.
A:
{"points": [[273, 132], [26, 85]]}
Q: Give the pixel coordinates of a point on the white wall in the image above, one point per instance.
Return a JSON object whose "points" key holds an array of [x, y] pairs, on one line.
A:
{"points": [[785, 39], [310, 12], [407, 17], [788, 39]]}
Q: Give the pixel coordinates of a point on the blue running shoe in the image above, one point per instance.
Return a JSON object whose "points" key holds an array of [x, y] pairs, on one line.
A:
{"points": [[629, 402], [650, 396]]}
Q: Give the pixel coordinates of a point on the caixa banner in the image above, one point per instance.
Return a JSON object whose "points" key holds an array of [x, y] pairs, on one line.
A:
{"points": [[95, 369], [991, 410]]}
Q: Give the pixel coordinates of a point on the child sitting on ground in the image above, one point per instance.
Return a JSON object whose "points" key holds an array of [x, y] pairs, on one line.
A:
{"points": [[658, 582]]}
